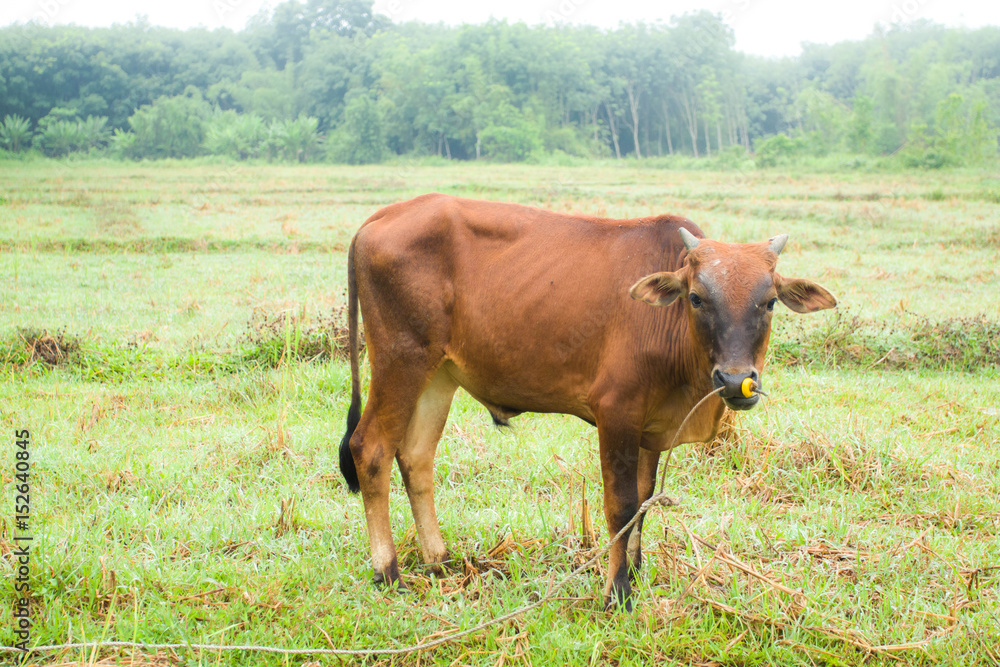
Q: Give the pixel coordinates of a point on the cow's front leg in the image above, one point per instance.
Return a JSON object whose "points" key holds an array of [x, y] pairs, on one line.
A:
{"points": [[619, 444], [646, 483]]}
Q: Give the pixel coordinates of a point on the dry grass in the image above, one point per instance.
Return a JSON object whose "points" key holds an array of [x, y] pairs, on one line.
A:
{"points": [[131, 659], [293, 334], [906, 341], [29, 346]]}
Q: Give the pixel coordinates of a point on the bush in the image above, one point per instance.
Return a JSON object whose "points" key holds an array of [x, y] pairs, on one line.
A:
{"points": [[122, 143], [61, 138], [510, 143], [170, 126], [925, 158], [566, 140], [887, 138], [732, 157], [58, 138], [297, 140], [15, 133], [777, 149], [240, 136]]}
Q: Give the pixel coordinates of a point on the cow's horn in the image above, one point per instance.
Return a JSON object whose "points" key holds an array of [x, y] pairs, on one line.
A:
{"points": [[690, 242], [777, 244]]}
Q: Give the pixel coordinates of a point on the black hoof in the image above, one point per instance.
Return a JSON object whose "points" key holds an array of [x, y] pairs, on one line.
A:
{"points": [[397, 585], [437, 567], [619, 599], [434, 569], [389, 578]]}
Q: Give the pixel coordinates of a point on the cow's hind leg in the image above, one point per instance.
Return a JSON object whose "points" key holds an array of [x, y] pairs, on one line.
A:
{"points": [[416, 462], [391, 404]]}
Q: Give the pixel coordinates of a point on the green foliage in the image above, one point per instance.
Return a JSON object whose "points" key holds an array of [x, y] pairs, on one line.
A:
{"points": [[860, 132], [360, 139], [269, 93], [95, 131], [15, 133], [509, 135], [823, 120], [918, 152], [170, 126], [122, 144], [59, 137], [777, 150], [295, 140], [568, 141], [239, 136], [961, 136], [951, 139], [510, 143], [498, 91]]}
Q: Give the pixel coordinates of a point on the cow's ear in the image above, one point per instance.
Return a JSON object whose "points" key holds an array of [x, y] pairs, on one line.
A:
{"points": [[658, 289], [803, 296]]}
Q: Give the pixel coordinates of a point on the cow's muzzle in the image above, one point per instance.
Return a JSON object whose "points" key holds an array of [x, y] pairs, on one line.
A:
{"points": [[731, 382]]}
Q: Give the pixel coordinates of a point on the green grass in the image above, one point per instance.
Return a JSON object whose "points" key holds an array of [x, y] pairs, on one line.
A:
{"points": [[167, 440]]}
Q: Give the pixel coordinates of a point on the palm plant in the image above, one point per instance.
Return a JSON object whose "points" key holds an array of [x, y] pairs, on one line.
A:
{"points": [[239, 136], [295, 139], [94, 131], [61, 138], [15, 133]]}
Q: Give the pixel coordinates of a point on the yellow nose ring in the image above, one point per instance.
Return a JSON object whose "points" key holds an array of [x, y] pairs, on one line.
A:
{"points": [[748, 387]]}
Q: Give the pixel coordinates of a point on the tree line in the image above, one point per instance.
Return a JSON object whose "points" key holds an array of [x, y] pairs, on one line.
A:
{"points": [[330, 79]]}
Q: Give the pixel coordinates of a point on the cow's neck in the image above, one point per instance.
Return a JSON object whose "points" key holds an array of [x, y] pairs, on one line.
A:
{"points": [[682, 387]]}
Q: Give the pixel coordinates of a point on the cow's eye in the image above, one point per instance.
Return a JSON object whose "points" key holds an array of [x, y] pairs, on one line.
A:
{"points": [[770, 304], [695, 300]]}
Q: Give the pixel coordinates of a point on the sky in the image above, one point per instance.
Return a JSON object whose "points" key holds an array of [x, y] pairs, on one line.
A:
{"points": [[762, 27]]}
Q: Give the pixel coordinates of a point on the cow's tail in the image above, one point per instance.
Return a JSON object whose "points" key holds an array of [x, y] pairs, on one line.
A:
{"points": [[347, 467]]}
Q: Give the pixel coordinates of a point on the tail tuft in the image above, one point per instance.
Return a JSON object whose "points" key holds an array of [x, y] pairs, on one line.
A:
{"points": [[347, 467]]}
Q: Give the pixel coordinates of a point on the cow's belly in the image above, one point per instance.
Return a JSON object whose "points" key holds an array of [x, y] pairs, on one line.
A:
{"points": [[508, 390]]}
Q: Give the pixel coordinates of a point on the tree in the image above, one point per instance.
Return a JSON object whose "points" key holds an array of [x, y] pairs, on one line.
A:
{"points": [[360, 139], [344, 17], [860, 129], [628, 67], [511, 136], [709, 94], [822, 118], [282, 84], [170, 126]]}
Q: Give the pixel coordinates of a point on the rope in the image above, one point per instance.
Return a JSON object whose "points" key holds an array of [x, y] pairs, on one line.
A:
{"points": [[658, 499], [677, 434]]}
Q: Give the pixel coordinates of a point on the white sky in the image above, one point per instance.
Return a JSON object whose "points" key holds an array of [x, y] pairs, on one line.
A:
{"points": [[763, 27]]}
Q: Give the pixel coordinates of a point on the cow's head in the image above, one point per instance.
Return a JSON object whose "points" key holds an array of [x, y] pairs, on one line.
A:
{"points": [[730, 290]]}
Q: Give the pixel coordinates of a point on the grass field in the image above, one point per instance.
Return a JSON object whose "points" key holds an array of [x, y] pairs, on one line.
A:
{"points": [[185, 486]]}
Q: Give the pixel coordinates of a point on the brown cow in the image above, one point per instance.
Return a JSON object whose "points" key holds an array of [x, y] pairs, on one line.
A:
{"points": [[528, 311]]}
